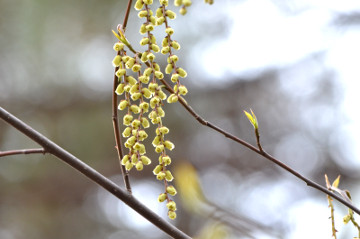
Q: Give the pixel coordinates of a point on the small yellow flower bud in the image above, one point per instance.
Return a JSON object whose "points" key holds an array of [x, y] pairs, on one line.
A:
{"points": [[148, 71], [136, 96], [178, 3], [149, 27], [159, 148], [144, 41], [159, 75], [134, 89], [182, 73], [131, 140], [160, 111], [144, 79], [183, 90], [139, 5], [169, 145], [130, 63], [168, 176], [164, 2], [165, 42], [146, 92], [145, 122], [142, 14], [118, 46], [135, 123], [156, 120], [142, 135], [170, 14], [164, 130], [183, 10], [155, 48], [175, 45], [154, 101], [125, 58], [174, 77], [128, 165], [126, 133], [139, 166], [125, 159], [160, 20], [152, 39], [172, 215], [156, 141], [144, 56], [162, 197], [166, 160], [127, 119], [171, 206], [135, 109], [174, 58], [169, 68], [161, 94], [153, 20], [127, 88], [160, 176], [151, 57], [132, 81], [169, 30], [139, 147], [152, 86], [136, 68], [123, 104], [145, 160], [134, 158], [187, 3], [116, 61], [171, 190], [119, 73], [144, 106], [148, 2], [157, 169], [143, 29], [165, 50], [159, 12], [134, 132], [172, 98], [120, 89]]}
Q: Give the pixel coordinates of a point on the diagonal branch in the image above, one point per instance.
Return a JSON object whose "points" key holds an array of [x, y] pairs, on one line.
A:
{"points": [[22, 151], [93, 175]]}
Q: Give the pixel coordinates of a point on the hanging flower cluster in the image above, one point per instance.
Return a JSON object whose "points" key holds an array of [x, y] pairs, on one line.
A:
{"points": [[141, 82]]}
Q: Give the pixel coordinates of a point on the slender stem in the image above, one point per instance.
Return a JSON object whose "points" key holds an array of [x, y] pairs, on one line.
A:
{"points": [[93, 175], [261, 152], [22, 151], [127, 15]]}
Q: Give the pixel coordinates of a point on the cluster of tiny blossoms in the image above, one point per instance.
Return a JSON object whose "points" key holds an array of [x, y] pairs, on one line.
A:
{"points": [[140, 81]]}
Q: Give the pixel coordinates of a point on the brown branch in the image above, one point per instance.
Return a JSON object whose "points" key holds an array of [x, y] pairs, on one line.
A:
{"points": [[115, 120], [93, 175], [22, 151], [261, 152]]}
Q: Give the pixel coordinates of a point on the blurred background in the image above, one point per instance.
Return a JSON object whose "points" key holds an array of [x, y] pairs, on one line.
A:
{"points": [[295, 63]]}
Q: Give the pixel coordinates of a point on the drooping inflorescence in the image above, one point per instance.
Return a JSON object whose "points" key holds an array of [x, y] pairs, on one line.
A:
{"points": [[141, 82]]}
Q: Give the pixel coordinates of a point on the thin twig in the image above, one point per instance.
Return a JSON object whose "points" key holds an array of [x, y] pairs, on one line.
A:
{"points": [[115, 120], [22, 151], [260, 152], [93, 175]]}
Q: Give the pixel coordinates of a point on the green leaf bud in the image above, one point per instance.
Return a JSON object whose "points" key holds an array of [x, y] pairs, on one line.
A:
{"points": [[149, 27], [183, 10], [118, 46], [175, 45], [171, 206], [152, 87], [127, 119], [145, 160], [155, 48], [139, 5], [146, 92], [128, 165], [148, 71], [171, 190], [123, 104], [169, 145], [169, 68], [172, 215], [151, 57], [132, 81], [170, 14], [174, 77], [116, 61], [144, 79], [135, 109], [159, 148], [145, 122], [144, 106], [127, 132], [157, 169], [144, 56], [159, 75], [125, 159], [143, 29], [160, 176], [178, 3], [169, 30], [165, 42], [167, 160], [160, 20], [142, 14], [135, 123], [119, 73], [144, 41], [162, 197], [183, 90], [182, 73], [139, 166], [136, 67], [136, 96], [168, 176], [120, 89], [165, 50]]}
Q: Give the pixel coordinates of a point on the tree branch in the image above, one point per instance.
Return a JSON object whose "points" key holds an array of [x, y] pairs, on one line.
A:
{"points": [[93, 175], [22, 151]]}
